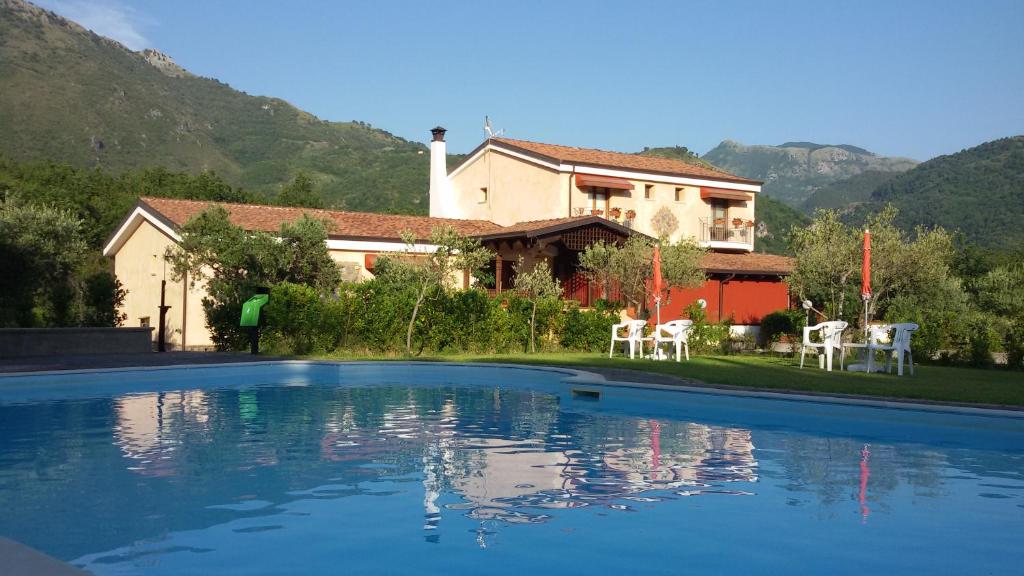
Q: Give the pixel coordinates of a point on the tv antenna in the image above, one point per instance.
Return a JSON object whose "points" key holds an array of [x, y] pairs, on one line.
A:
{"points": [[489, 130]]}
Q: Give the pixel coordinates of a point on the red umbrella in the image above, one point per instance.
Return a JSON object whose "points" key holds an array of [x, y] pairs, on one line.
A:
{"points": [[657, 281], [865, 276], [865, 283]]}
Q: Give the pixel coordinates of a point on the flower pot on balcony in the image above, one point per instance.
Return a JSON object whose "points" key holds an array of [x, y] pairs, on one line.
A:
{"points": [[597, 212], [750, 223], [737, 222], [615, 213], [719, 221], [630, 214]]}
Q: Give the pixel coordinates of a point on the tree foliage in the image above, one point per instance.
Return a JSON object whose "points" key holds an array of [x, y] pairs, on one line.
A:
{"points": [[630, 267], [49, 279], [536, 285], [300, 193], [234, 264], [912, 271], [429, 272], [827, 259]]}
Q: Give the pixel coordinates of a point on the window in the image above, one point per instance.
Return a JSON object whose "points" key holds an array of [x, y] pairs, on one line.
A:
{"points": [[719, 211], [599, 199], [144, 322], [679, 194], [483, 196], [648, 191]]}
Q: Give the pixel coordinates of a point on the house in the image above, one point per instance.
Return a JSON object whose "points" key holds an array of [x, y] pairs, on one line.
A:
{"points": [[520, 199], [510, 182]]}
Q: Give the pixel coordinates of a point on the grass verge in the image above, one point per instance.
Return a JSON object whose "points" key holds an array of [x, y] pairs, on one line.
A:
{"points": [[929, 383]]}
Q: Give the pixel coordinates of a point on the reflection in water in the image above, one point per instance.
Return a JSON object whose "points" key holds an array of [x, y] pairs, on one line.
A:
{"points": [[865, 473], [540, 467], [150, 428], [150, 475]]}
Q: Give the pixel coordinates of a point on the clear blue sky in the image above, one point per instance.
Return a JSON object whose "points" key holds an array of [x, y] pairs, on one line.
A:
{"points": [[903, 78]]}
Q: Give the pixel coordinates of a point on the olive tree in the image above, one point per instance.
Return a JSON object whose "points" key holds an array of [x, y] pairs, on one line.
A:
{"points": [[827, 261], [630, 266], [41, 248], [829, 256], [536, 285], [429, 272]]}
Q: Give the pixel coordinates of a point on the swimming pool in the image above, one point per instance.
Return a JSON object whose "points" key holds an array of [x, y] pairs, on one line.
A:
{"points": [[410, 468]]}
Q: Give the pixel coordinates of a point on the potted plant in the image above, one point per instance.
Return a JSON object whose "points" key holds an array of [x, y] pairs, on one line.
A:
{"points": [[615, 213], [596, 212], [737, 222], [750, 223], [719, 221], [630, 214]]}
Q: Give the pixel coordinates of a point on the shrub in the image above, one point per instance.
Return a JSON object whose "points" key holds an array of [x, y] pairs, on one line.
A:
{"points": [[1015, 344], [707, 337], [588, 330], [782, 323], [299, 321]]}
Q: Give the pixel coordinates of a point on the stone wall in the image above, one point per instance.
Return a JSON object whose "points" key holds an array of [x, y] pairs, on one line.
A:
{"points": [[23, 342]]}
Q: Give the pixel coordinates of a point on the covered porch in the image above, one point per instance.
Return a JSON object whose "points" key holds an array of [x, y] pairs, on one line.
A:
{"points": [[559, 242]]}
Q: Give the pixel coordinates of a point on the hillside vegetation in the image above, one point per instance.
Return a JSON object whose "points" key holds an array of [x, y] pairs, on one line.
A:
{"points": [[793, 171], [71, 95], [978, 192], [844, 194]]}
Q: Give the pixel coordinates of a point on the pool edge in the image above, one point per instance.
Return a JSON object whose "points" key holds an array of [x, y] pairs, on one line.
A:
{"points": [[585, 377]]}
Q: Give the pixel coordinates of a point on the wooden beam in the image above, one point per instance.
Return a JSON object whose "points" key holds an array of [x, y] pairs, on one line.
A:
{"points": [[497, 273]]}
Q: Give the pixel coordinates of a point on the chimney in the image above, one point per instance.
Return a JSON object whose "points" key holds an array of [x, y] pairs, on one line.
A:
{"points": [[442, 204]]}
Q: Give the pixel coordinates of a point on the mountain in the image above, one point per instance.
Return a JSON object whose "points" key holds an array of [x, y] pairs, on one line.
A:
{"points": [[978, 192], [777, 218], [85, 100], [848, 193], [793, 171], [72, 95]]}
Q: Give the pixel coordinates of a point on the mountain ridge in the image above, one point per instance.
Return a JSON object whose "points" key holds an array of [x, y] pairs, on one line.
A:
{"points": [[92, 102], [793, 171]]}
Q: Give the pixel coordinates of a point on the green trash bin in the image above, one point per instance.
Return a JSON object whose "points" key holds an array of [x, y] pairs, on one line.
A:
{"points": [[251, 310], [251, 320]]}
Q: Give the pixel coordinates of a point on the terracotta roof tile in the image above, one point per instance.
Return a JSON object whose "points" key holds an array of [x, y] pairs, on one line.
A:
{"points": [[343, 224], [750, 263], [621, 160], [531, 225]]}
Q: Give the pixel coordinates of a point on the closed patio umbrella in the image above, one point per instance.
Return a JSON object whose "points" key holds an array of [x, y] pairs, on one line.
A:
{"points": [[865, 273], [657, 282]]}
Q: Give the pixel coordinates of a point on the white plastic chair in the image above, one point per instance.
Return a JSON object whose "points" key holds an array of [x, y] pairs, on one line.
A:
{"points": [[676, 333], [831, 334], [634, 336], [899, 347]]}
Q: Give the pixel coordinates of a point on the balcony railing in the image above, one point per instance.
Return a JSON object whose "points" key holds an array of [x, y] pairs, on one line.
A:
{"points": [[712, 231]]}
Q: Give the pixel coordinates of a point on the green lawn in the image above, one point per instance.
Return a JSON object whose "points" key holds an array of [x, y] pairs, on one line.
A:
{"points": [[937, 383]]}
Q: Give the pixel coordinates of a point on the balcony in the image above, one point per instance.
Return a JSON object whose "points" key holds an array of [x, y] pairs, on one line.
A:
{"points": [[719, 235]]}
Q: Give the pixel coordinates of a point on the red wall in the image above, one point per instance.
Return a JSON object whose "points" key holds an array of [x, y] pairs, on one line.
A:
{"points": [[745, 300]]}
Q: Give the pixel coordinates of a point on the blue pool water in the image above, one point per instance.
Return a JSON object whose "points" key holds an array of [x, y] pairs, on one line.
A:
{"points": [[401, 469]]}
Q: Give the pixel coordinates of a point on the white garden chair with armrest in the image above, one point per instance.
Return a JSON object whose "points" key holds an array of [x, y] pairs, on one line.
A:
{"points": [[831, 334], [634, 336], [899, 347], [676, 333]]}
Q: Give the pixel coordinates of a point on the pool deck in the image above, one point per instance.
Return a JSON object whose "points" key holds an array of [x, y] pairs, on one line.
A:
{"points": [[16, 558]]}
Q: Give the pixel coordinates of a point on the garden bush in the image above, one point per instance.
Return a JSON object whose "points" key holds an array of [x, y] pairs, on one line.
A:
{"points": [[587, 330], [782, 323], [707, 337], [1015, 344]]}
